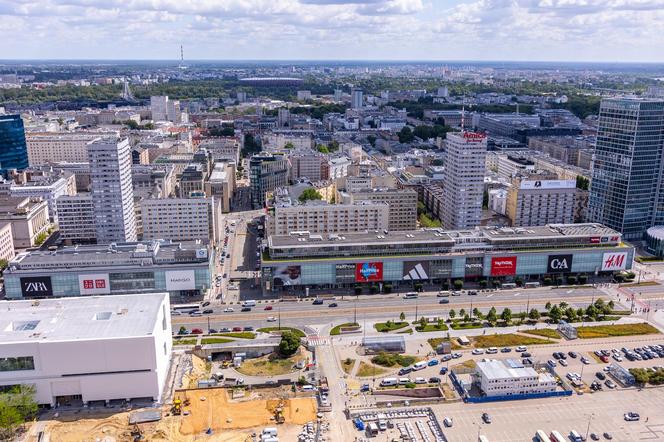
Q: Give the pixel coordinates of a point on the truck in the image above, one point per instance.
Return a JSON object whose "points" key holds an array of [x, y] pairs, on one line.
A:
{"points": [[249, 303], [388, 382], [372, 429], [324, 387]]}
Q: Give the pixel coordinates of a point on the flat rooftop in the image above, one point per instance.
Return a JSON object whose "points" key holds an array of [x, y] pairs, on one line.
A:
{"points": [[508, 369], [79, 318]]}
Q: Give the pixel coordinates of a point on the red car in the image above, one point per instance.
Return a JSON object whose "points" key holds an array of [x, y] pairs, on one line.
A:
{"points": [[604, 359], [237, 329], [196, 331], [268, 307]]}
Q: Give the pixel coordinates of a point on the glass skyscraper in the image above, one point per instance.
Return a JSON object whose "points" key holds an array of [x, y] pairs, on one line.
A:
{"points": [[13, 149], [627, 193]]}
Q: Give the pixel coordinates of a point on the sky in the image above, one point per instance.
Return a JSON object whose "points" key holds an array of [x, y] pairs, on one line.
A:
{"points": [[530, 30]]}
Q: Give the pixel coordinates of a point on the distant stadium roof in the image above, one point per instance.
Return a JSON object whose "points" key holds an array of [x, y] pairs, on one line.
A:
{"points": [[273, 80]]}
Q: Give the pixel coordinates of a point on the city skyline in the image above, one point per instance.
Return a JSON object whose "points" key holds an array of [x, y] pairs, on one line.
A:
{"points": [[482, 30]]}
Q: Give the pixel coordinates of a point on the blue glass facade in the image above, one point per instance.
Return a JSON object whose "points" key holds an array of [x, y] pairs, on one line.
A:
{"points": [[13, 148]]}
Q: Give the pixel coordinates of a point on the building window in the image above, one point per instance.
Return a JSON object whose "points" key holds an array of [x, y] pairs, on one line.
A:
{"points": [[17, 363]]}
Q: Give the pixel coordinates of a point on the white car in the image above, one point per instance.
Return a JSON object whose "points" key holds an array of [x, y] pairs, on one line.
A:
{"points": [[563, 363], [271, 319], [420, 381], [521, 349], [228, 310], [478, 351], [491, 350]]}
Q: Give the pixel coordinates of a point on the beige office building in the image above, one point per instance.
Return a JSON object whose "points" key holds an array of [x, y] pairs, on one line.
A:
{"points": [[58, 147], [180, 219], [402, 204], [28, 217], [76, 218], [221, 184], [7, 251], [537, 200]]}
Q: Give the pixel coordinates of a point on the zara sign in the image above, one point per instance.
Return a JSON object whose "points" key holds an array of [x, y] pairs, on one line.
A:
{"points": [[36, 286]]}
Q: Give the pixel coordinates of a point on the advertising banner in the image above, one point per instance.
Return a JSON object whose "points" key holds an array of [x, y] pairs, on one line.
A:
{"points": [[559, 263], [440, 268], [368, 271], [415, 270], [94, 284], [286, 275], [180, 280], [36, 286], [548, 184], [474, 267], [345, 273], [614, 261], [503, 266]]}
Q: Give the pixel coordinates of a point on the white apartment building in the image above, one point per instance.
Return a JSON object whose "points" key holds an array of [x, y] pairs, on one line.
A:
{"points": [[7, 250], [76, 218], [159, 108], [82, 349], [402, 205], [49, 189], [112, 190], [223, 149], [181, 219], [335, 168], [498, 200], [509, 377], [321, 217], [173, 111], [463, 181], [537, 200], [303, 95], [58, 147], [277, 141]]}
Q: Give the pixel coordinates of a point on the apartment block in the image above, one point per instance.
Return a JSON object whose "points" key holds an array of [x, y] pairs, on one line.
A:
{"points": [[76, 220], [402, 205], [58, 147], [180, 219], [540, 199]]}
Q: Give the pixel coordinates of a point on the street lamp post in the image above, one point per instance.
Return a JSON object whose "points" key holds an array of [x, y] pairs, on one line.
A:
{"points": [[590, 418]]}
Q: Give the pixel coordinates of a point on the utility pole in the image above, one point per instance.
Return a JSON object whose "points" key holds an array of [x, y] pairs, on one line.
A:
{"points": [[588, 429]]}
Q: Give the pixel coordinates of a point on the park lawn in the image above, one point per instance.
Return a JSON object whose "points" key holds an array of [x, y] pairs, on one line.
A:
{"points": [[470, 363], [408, 331], [296, 331], [337, 330], [431, 328], [640, 284], [605, 331], [185, 341], [546, 332], [456, 325], [347, 365], [270, 365], [384, 327], [239, 335], [506, 340], [369, 370], [215, 340]]}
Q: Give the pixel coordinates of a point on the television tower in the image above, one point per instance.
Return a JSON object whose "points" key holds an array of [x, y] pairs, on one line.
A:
{"points": [[182, 65]]}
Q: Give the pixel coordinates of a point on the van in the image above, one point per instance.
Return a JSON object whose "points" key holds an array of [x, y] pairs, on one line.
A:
{"points": [[249, 303], [308, 388], [372, 429], [411, 295], [508, 285], [404, 381], [531, 285], [420, 365], [389, 382], [270, 431], [576, 437], [444, 294], [447, 422]]}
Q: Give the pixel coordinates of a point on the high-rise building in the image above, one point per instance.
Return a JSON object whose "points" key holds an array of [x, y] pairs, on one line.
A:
{"points": [[626, 191], [159, 107], [338, 95], [463, 181], [13, 148], [540, 199], [266, 173], [357, 98], [112, 190]]}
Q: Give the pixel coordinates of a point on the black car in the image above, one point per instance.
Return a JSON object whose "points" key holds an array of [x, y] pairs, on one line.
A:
{"points": [[505, 350], [572, 354], [525, 354], [318, 301], [600, 375], [248, 328], [434, 380], [486, 418], [332, 304], [556, 355], [246, 309], [472, 293], [205, 304], [208, 311], [212, 330], [405, 370]]}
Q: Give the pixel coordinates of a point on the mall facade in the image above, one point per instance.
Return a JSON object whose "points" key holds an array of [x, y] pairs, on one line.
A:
{"points": [[302, 260]]}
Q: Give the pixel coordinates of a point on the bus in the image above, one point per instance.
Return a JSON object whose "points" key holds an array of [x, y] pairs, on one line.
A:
{"points": [[541, 436], [411, 295], [531, 285], [508, 285], [557, 437], [184, 308]]}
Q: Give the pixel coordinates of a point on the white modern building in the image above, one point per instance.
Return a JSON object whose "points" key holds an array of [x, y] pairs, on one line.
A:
{"points": [[510, 378], [463, 180], [112, 190], [540, 199], [159, 107], [49, 189], [97, 348]]}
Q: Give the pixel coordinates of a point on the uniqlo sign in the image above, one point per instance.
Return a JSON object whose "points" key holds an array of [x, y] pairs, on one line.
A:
{"points": [[503, 266], [614, 261], [96, 284]]}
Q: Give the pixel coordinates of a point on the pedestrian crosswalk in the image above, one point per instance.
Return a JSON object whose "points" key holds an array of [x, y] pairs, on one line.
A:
{"points": [[316, 340]]}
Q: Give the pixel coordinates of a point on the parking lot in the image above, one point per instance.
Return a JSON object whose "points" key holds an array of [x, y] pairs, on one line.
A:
{"points": [[519, 420]]}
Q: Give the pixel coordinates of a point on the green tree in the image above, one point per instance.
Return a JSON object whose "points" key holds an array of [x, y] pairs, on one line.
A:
{"points": [[372, 140], [582, 182], [466, 318], [555, 314], [406, 135], [452, 313], [570, 313], [506, 315], [288, 145], [462, 312], [3, 264], [423, 322], [563, 305], [323, 148], [289, 343], [16, 407], [492, 317], [547, 306], [477, 313], [485, 200], [534, 314], [310, 194], [402, 316], [182, 330], [458, 284]]}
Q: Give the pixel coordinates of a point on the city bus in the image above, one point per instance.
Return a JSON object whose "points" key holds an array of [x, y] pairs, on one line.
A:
{"points": [[184, 308], [411, 295], [541, 436]]}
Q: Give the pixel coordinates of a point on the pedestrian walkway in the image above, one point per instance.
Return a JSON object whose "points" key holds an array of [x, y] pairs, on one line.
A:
{"points": [[316, 340]]}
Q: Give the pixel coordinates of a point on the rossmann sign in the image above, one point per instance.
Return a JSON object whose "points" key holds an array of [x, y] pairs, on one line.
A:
{"points": [[614, 261], [503, 266]]}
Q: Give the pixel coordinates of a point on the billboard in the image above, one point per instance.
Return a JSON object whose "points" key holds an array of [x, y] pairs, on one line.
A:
{"points": [[286, 275], [94, 284], [614, 261], [559, 263], [180, 280], [36, 286], [548, 184], [344, 273], [368, 271], [415, 270], [503, 266]]}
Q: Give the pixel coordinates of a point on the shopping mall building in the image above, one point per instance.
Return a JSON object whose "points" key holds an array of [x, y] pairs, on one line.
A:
{"points": [[291, 263]]}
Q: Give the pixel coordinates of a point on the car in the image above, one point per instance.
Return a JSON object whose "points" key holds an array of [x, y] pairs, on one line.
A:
{"points": [[600, 375], [444, 301], [446, 358], [226, 274], [333, 304], [525, 354], [556, 355], [271, 319], [208, 311], [472, 293], [420, 381], [176, 313], [563, 363], [443, 370], [196, 313], [632, 417], [604, 359], [551, 363], [318, 301], [405, 370], [248, 328], [605, 352], [478, 351], [456, 293], [594, 436], [607, 435], [246, 309], [432, 362], [572, 354], [364, 388], [447, 422], [237, 329], [268, 307], [228, 310], [456, 355], [224, 330], [205, 304], [520, 349], [491, 350], [183, 331], [617, 358], [585, 360], [609, 383], [443, 294], [434, 380], [486, 418], [505, 350], [196, 331], [212, 330]]}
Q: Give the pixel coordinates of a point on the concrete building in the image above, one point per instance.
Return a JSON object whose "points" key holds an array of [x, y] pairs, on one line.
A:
{"points": [[192, 181], [112, 190], [402, 204], [28, 217], [335, 168], [294, 139], [153, 181], [221, 184], [463, 182], [266, 173], [13, 148], [498, 200], [357, 98], [223, 149], [159, 108], [173, 111], [7, 251], [76, 220], [303, 95], [76, 351], [539, 199], [182, 269], [626, 190], [576, 151], [306, 163], [181, 219], [510, 378], [47, 188], [58, 147]]}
